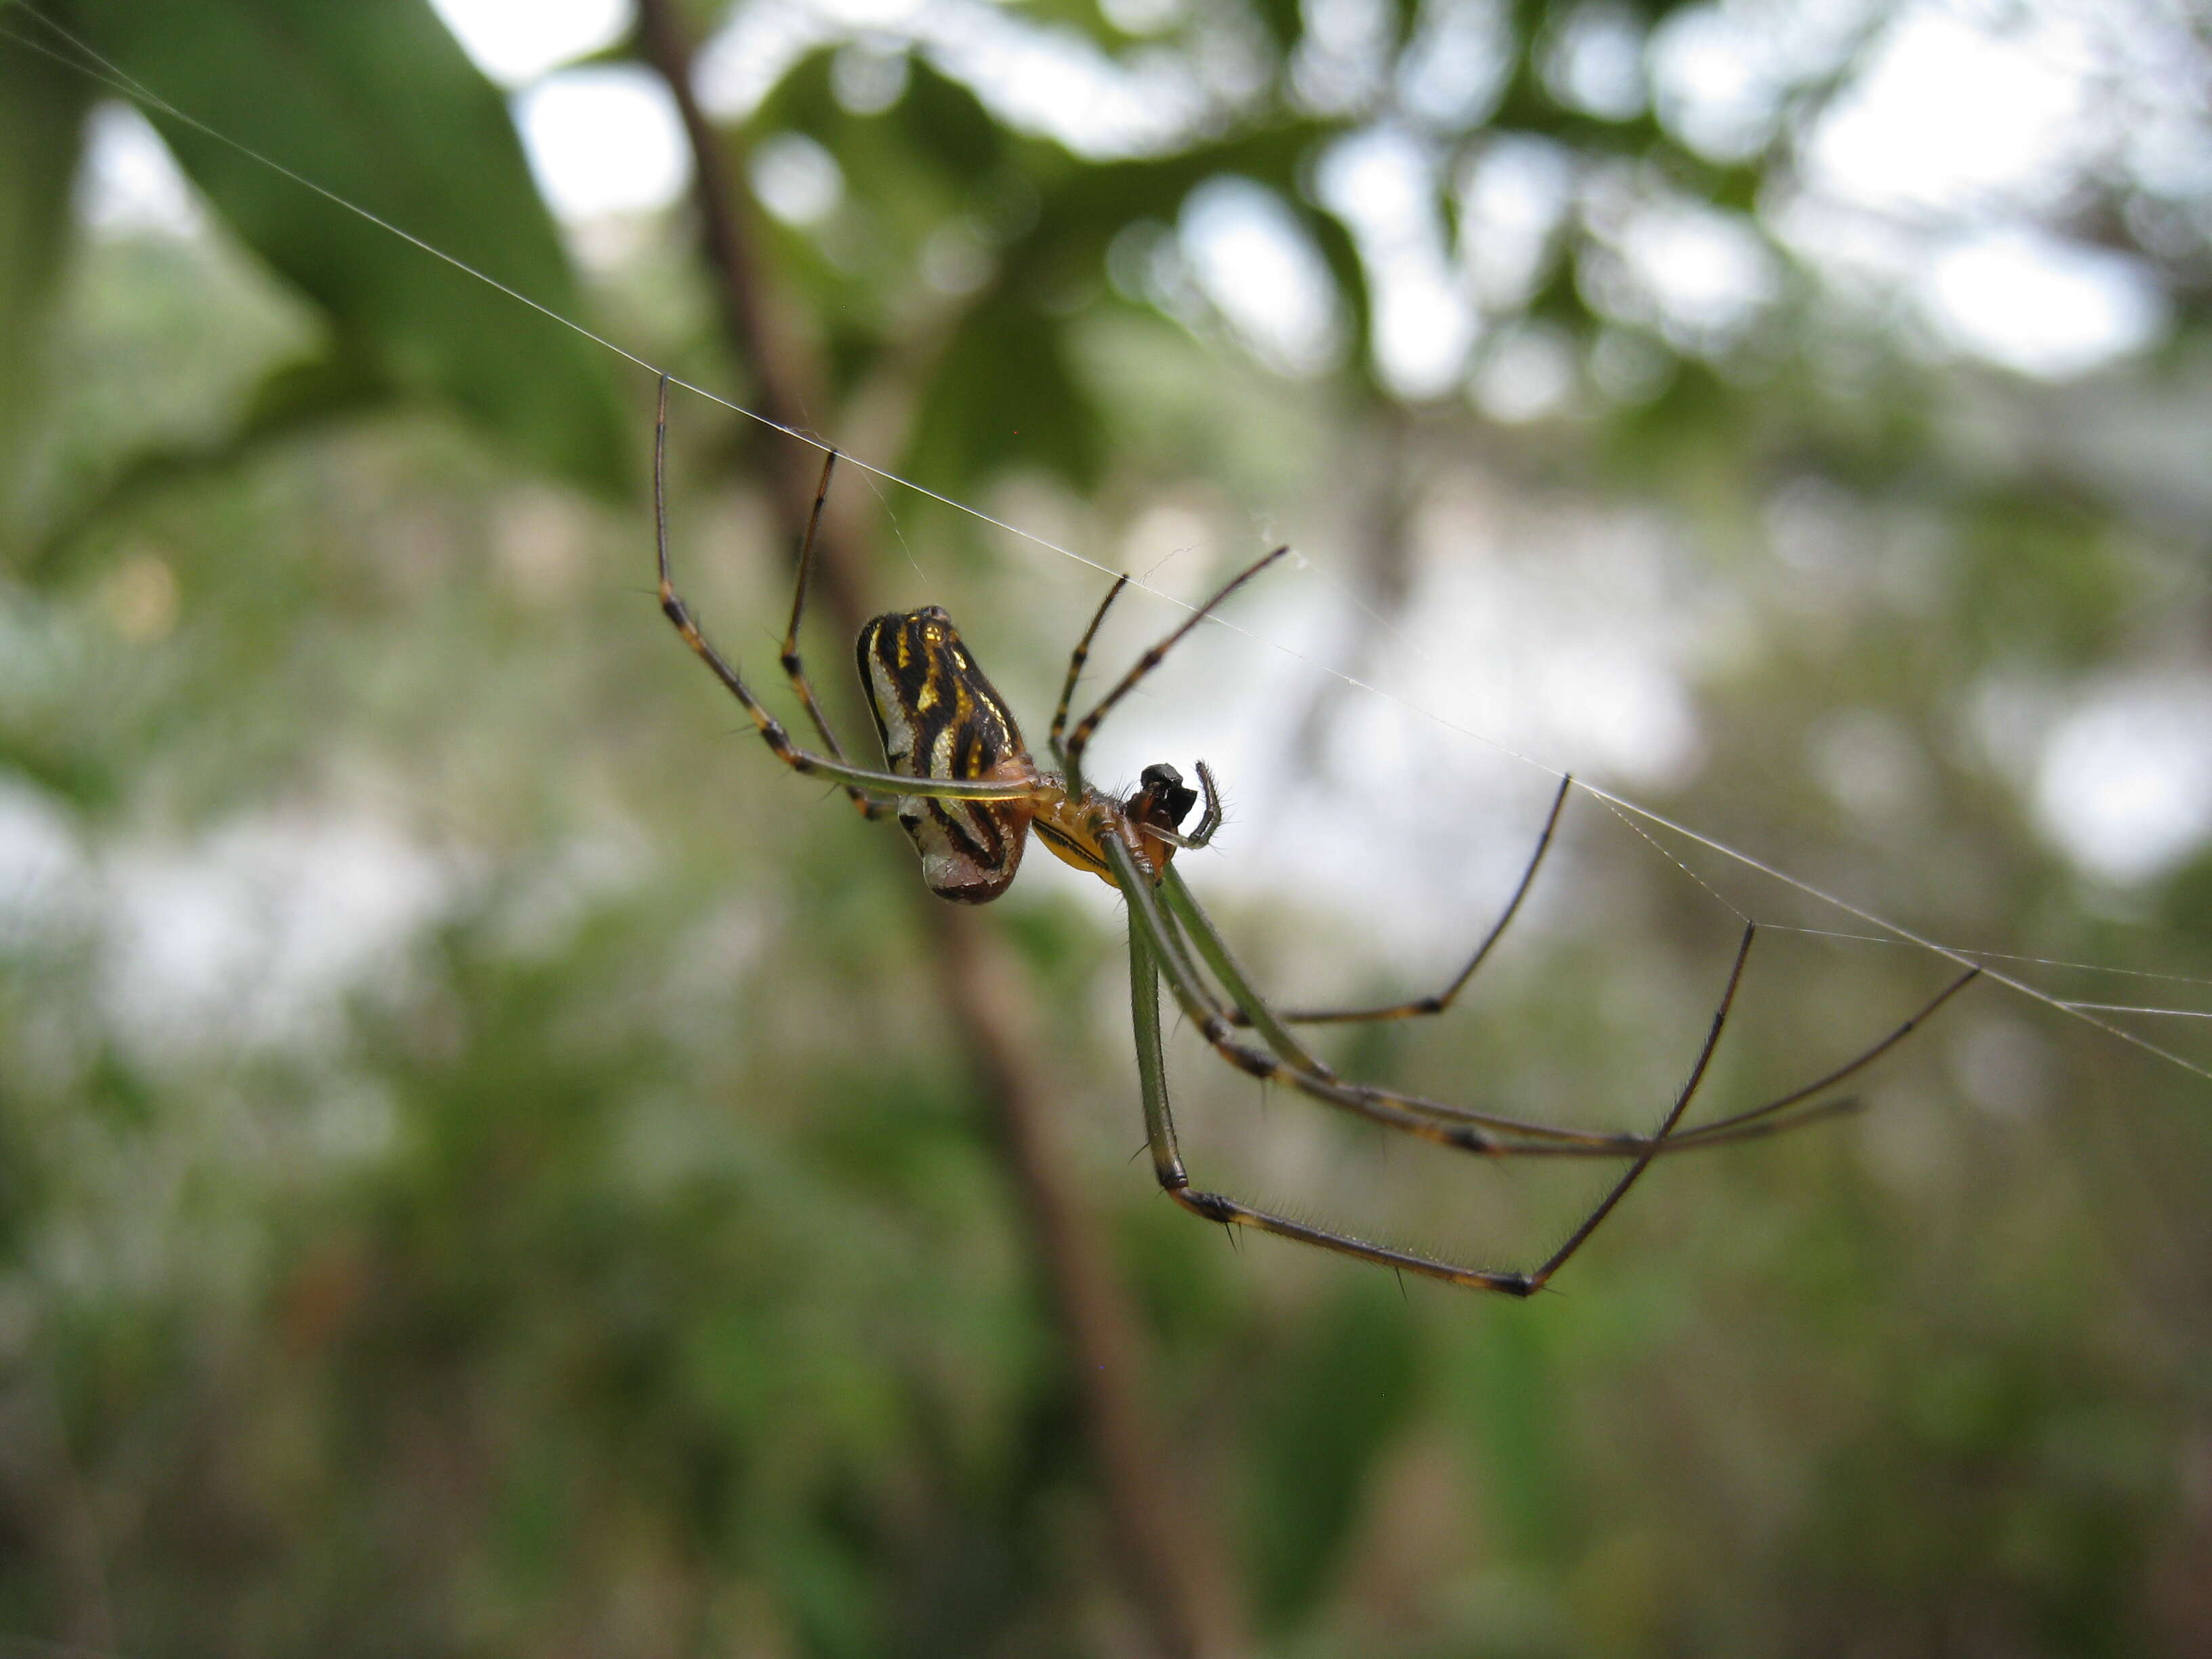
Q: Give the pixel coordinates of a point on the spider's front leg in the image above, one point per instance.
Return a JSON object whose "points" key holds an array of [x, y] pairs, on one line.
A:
{"points": [[1068, 754], [1437, 1002]]}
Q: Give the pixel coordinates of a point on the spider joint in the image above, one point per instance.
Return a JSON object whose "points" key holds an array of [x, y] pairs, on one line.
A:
{"points": [[1263, 1067], [1210, 1206]]}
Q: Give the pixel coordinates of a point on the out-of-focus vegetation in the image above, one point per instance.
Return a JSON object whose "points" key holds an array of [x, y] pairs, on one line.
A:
{"points": [[482, 1168]]}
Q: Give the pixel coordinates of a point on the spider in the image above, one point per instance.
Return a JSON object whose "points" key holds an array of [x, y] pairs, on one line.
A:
{"points": [[966, 792]]}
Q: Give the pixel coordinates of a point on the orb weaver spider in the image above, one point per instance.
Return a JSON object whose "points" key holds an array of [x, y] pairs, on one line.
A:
{"points": [[966, 792]]}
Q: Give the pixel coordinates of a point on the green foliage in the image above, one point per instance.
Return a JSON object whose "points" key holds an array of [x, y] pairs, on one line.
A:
{"points": [[42, 107], [1323, 1412], [374, 104]]}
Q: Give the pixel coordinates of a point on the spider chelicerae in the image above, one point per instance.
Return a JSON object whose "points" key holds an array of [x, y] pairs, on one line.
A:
{"points": [[966, 792]]}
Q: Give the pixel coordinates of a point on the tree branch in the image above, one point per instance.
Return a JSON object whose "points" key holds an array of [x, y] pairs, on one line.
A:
{"points": [[1171, 1562]]}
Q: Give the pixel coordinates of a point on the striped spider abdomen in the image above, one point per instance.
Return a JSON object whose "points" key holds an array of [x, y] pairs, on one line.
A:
{"points": [[939, 717]]}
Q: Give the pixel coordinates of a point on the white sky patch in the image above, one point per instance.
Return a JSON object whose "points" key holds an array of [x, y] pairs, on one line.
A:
{"points": [[603, 141], [130, 181], [2044, 307], [1595, 61], [753, 51], [256, 932], [1706, 272], [797, 179], [1528, 374], [1260, 271], [1512, 201], [1343, 54], [2125, 783], [1144, 17], [1716, 80], [1041, 79], [1950, 117], [1055, 82], [1569, 632], [1567, 635], [1924, 176], [1454, 70], [869, 77], [515, 42], [42, 864], [1382, 184]]}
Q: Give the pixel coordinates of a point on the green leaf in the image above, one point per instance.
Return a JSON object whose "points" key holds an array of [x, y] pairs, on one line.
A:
{"points": [[1006, 394], [374, 103], [1321, 1417], [293, 398], [42, 107]]}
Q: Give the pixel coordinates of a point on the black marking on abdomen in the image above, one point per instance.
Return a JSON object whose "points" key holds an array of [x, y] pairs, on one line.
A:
{"points": [[960, 830]]}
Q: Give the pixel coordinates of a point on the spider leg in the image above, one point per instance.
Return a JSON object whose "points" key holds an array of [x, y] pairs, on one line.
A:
{"points": [[1464, 1131], [1147, 960], [1070, 755], [1175, 1179], [891, 784], [1759, 1119], [1464, 1127], [1076, 658], [1439, 1002], [1209, 820], [1519, 1136], [794, 669]]}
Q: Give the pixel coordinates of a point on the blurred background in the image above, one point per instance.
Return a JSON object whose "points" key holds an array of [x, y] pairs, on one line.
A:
{"points": [[490, 1163]]}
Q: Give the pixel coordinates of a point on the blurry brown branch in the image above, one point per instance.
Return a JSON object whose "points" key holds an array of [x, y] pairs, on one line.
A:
{"points": [[1172, 1562]]}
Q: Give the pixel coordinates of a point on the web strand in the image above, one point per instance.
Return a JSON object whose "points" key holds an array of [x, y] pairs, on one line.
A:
{"points": [[81, 58]]}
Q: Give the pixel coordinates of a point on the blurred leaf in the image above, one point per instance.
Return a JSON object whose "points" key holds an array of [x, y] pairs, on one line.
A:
{"points": [[1507, 1393], [377, 104], [42, 107], [1282, 19], [292, 399], [1324, 1412], [1006, 395]]}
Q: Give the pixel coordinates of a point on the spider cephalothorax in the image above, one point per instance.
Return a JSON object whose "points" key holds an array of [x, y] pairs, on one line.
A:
{"points": [[966, 790], [1162, 801]]}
